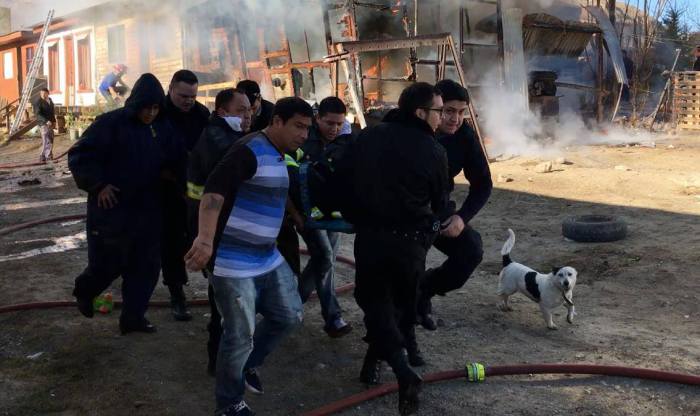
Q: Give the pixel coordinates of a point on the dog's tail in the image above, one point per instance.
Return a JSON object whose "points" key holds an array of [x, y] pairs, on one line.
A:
{"points": [[507, 247]]}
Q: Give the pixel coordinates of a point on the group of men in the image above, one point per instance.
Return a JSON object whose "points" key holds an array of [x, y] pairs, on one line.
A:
{"points": [[174, 188]]}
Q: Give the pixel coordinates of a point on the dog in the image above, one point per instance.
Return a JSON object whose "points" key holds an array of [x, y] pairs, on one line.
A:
{"points": [[549, 290]]}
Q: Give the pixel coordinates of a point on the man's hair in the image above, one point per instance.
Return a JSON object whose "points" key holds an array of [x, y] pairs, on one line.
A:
{"points": [[224, 97], [288, 107], [250, 88], [452, 91], [418, 95], [186, 76], [44, 89], [332, 105]]}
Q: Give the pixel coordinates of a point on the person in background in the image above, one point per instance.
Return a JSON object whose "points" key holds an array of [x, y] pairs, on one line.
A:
{"points": [[696, 65], [46, 117], [459, 241], [240, 214], [262, 109], [229, 122], [121, 161], [188, 118], [112, 87], [322, 244]]}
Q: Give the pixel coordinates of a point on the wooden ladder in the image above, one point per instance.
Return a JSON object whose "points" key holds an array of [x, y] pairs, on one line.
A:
{"points": [[31, 78]]}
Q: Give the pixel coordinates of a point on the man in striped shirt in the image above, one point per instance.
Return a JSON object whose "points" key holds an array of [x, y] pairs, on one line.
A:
{"points": [[239, 219]]}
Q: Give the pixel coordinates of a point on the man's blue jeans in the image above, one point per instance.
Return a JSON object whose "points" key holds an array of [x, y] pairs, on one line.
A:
{"points": [[243, 344], [319, 272]]}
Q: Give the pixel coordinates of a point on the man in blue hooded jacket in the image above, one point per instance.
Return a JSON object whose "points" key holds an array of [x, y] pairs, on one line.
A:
{"points": [[121, 161]]}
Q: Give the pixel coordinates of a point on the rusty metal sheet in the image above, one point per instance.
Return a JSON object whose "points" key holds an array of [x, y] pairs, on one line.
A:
{"points": [[611, 42], [395, 43]]}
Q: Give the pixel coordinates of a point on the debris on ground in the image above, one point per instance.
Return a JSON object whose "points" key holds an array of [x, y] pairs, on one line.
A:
{"points": [[29, 182], [544, 167]]}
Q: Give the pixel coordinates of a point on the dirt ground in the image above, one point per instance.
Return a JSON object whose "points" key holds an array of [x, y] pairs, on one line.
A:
{"points": [[638, 303]]}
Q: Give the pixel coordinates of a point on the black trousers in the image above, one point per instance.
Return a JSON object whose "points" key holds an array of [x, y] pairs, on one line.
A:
{"points": [[464, 254], [136, 260], [174, 241], [389, 268], [288, 245]]}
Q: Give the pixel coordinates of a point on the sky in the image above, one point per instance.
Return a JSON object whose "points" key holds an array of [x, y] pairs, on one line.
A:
{"points": [[25, 13]]}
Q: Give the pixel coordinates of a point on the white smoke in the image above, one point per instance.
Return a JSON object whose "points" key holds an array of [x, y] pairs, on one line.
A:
{"points": [[512, 131]]}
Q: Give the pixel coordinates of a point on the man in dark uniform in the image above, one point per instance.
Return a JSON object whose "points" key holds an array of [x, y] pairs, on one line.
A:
{"points": [[188, 117], [122, 161], [459, 241], [229, 122], [262, 109], [400, 186]]}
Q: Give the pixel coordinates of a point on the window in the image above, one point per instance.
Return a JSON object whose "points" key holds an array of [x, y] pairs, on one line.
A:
{"points": [[28, 58], [204, 37], [84, 67], [7, 65], [54, 83], [161, 35], [116, 44]]}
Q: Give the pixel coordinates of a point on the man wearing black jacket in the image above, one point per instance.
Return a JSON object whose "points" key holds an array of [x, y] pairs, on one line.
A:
{"points": [[229, 122], [459, 241], [696, 65], [188, 117], [262, 109], [400, 187], [319, 273], [121, 162], [46, 118]]}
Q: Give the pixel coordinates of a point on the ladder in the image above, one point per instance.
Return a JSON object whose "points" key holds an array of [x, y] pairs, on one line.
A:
{"points": [[31, 75]]}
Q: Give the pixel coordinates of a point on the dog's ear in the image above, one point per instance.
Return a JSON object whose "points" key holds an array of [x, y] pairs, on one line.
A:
{"points": [[555, 269]]}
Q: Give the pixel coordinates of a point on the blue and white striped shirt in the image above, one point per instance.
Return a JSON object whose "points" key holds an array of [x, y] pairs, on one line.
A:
{"points": [[247, 247]]}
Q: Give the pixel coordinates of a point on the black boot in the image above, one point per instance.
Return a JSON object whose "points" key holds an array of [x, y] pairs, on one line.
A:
{"points": [[410, 383], [178, 303], [140, 325], [415, 356], [371, 368], [424, 315]]}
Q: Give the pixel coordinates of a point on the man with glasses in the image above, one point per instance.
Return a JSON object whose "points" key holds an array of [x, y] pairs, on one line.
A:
{"points": [[400, 188], [459, 241]]}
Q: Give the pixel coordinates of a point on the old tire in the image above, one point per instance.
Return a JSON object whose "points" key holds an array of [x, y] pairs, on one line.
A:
{"points": [[594, 228]]}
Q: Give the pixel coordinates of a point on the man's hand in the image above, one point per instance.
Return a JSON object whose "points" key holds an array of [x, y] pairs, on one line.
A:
{"points": [[198, 256], [49, 124], [107, 198], [298, 220], [455, 226]]}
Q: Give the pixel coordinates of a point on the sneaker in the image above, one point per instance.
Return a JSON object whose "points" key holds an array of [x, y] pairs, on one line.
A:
{"points": [[238, 409], [252, 381], [339, 329]]}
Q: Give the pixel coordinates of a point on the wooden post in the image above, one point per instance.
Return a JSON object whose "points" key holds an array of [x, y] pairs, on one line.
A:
{"points": [[599, 78], [499, 34]]}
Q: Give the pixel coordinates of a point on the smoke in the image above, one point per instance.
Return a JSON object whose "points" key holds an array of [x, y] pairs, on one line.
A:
{"points": [[512, 131]]}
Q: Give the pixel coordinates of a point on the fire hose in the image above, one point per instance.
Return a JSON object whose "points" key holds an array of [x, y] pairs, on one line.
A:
{"points": [[473, 372], [32, 164]]}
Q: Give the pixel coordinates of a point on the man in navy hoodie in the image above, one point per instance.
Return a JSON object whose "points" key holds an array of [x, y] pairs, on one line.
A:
{"points": [[120, 162]]}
